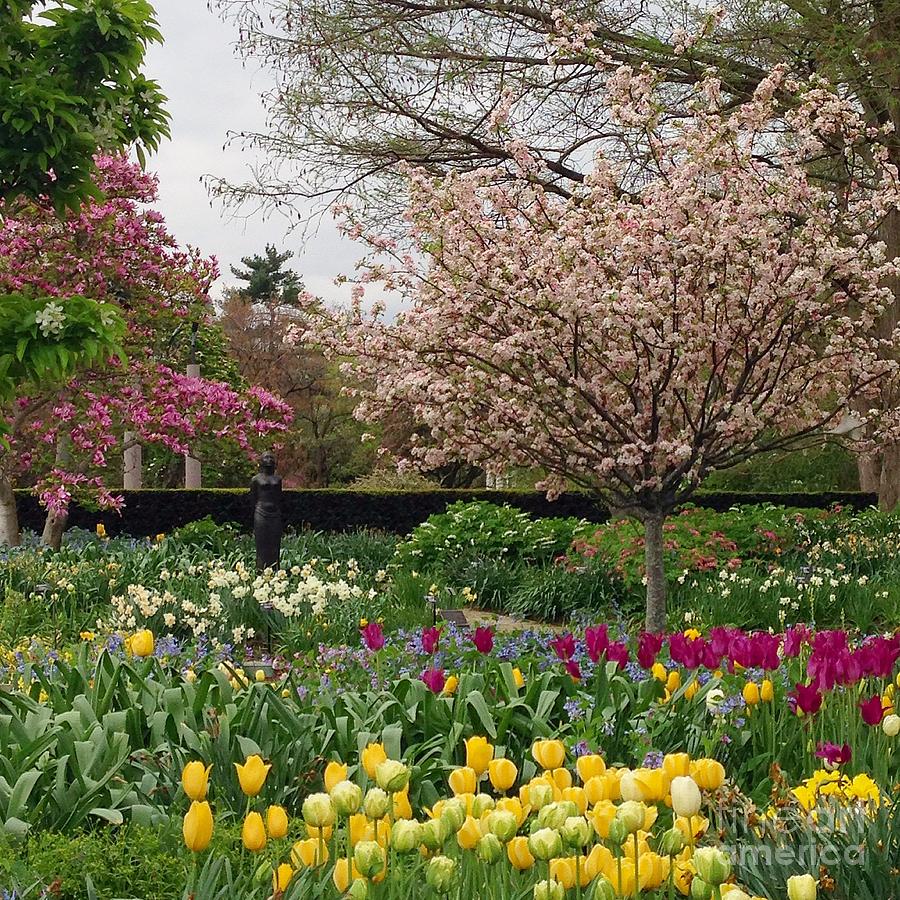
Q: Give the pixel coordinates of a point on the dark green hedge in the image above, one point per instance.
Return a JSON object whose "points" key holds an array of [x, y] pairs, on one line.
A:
{"points": [[149, 512]]}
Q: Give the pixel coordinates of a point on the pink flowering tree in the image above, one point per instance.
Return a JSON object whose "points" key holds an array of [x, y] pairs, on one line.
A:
{"points": [[672, 318], [64, 433]]}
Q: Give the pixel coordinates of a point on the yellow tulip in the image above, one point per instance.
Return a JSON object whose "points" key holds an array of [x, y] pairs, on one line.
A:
{"points": [[676, 764], [195, 780], [767, 691], [197, 828], [614, 783], [577, 796], [596, 789], [335, 773], [344, 873], [623, 877], [590, 766], [372, 757], [598, 860], [673, 682], [518, 853], [658, 671], [802, 887], [253, 832], [653, 869], [513, 805], [517, 678], [693, 829], [563, 871], [101, 530], [309, 853], [751, 693], [469, 835], [691, 690], [252, 775], [549, 754], [359, 829], [450, 686], [602, 815], [141, 643], [708, 773], [559, 778], [276, 822], [653, 784], [503, 774], [281, 878], [463, 780], [479, 754], [402, 807]]}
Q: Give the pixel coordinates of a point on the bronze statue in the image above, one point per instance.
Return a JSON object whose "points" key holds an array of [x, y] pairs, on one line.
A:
{"points": [[265, 492]]}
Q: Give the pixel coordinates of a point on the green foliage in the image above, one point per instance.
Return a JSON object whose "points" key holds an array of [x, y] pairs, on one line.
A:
{"points": [[468, 531], [829, 467], [71, 83], [45, 340], [267, 279]]}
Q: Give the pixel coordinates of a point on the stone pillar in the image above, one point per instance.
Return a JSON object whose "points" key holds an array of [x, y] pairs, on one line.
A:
{"points": [[192, 477], [132, 463]]}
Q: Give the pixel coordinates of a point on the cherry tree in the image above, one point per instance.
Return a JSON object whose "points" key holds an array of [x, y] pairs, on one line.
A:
{"points": [[657, 324], [118, 251]]}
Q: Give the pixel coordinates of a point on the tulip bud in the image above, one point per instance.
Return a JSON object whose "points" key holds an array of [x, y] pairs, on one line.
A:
{"points": [[712, 865], [700, 890], [406, 835], [441, 874], [502, 773], [368, 857], [545, 843], [481, 804], [631, 814], [335, 773], [576, 831], [890, 725], [391, 776], [359, 890], [463, 780], [540, 794], [801, 887], [549, 890], [751, 693], [549, 754], [453, 815], [708, 773], [195, 780], [603, 889], [617, 832], [376, 804], [276, 822], [281, 877], [372, 757], [686, 797], [253, 832], [318, 811], [553, 815], [479, 754], [672, 842], [432, 834], [489, 849], [346, 797], [198, 826], [503, 824], [767, 691], [141, 643], [252, 775]]}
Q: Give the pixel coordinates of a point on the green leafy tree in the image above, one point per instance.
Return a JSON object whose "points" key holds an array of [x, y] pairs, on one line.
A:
{"points": [[267, 279], [70, 84]]}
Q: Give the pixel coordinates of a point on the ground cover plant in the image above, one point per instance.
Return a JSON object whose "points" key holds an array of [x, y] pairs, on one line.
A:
{"points": [[171, 652]]}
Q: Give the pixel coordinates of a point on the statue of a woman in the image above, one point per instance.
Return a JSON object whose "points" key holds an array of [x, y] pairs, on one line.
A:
{"points": [[265, 492]]}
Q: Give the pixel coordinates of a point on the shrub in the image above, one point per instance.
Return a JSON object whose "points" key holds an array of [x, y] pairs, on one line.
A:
{"points": [[556, 593], [482, 530]]}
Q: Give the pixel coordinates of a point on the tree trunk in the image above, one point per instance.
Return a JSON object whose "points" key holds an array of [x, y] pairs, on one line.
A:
{"points": [[889, 486], [54, 526], [656, 572], [869, 466], [9, 517]]}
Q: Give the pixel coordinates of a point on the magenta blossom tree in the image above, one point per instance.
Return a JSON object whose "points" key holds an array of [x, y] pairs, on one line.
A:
{"points": [[664, 322], [117, 250]]}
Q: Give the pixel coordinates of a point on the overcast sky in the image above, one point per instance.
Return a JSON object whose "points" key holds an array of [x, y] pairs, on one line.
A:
{"points": [[210, 93]]}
